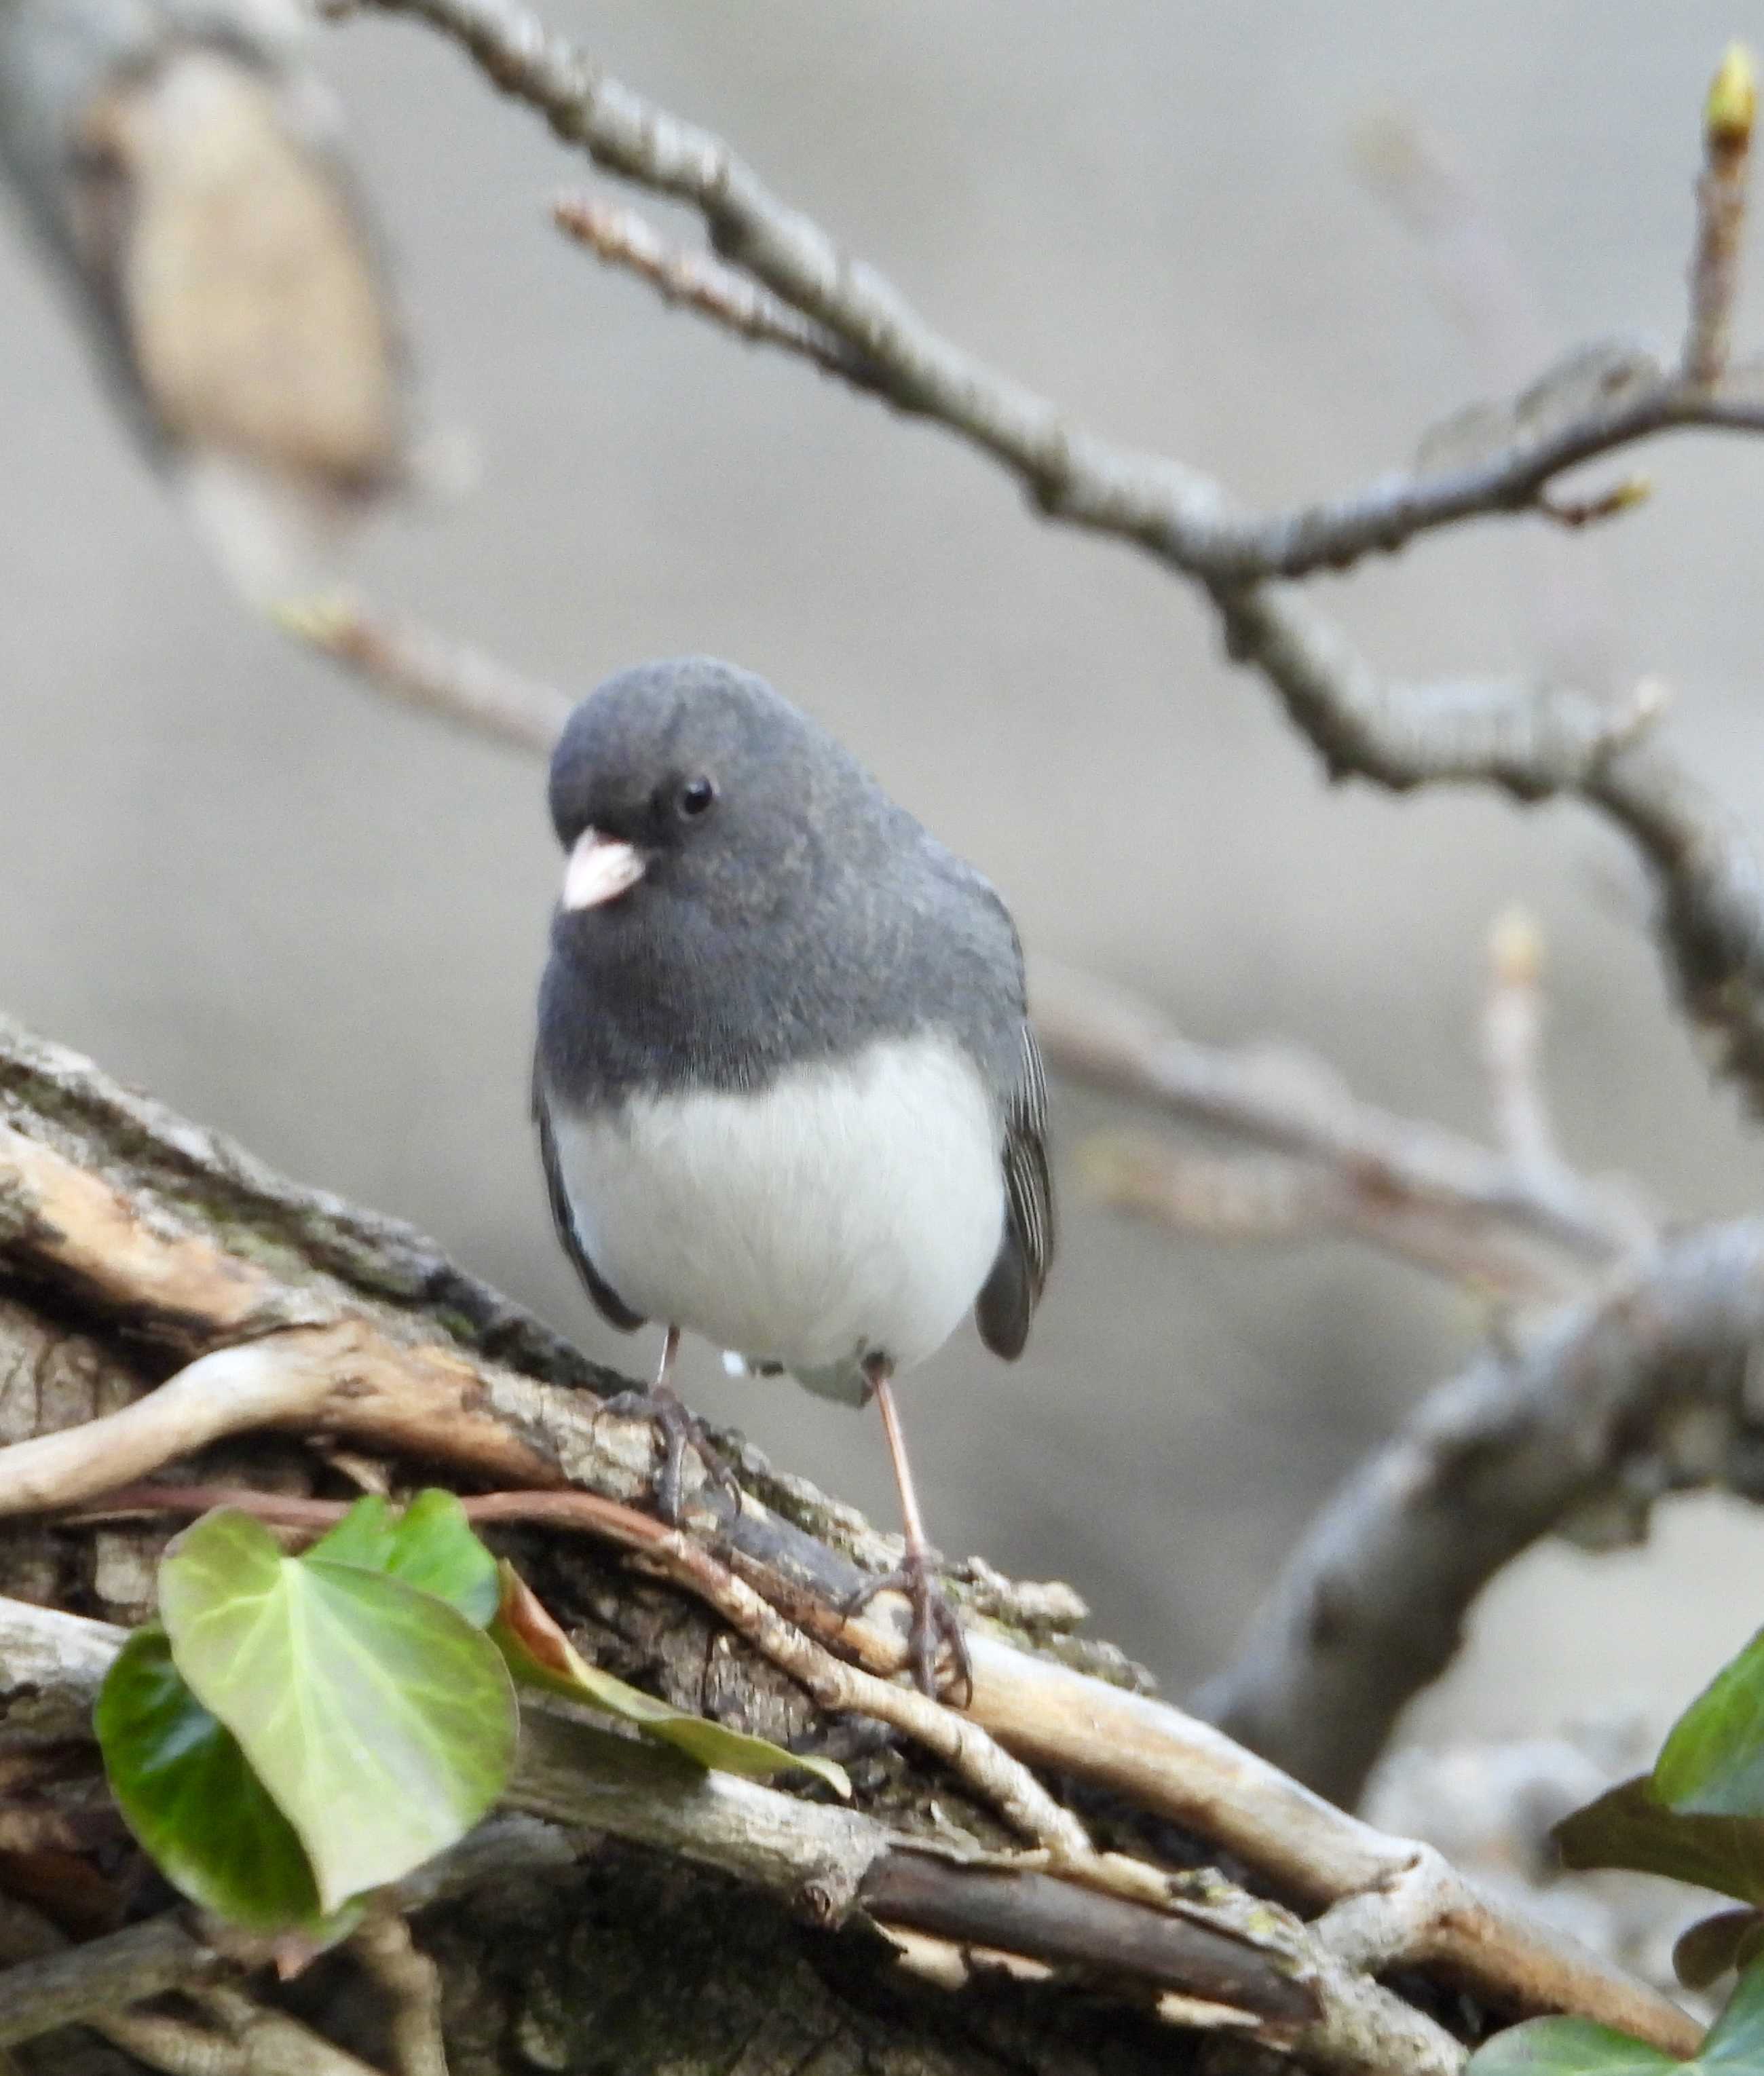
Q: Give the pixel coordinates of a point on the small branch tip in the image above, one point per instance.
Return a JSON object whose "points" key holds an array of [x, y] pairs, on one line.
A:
{"points": [[1731, 107], [1516, 949]]}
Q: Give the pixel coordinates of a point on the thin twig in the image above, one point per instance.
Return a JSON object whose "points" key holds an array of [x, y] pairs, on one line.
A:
{"points": [[1512, 1043], [1727, 118], [699, 282], [419, 669]]}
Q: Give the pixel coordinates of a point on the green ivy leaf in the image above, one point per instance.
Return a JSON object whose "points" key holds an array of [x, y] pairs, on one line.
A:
{"points": [[1712, 1763], [1629, 1827], [1707, 1949], [540, 1654], [429, 1545], [188, 1793], [379, 1719], [363, 1536], [1568, 2047], [1733, 2046]]}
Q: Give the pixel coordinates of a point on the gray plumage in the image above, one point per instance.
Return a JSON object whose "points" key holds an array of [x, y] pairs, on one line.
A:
{"points": [[802, 923]]}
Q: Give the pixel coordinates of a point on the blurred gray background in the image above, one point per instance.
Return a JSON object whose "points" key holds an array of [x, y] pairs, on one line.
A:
{"points": [[317, 921]]}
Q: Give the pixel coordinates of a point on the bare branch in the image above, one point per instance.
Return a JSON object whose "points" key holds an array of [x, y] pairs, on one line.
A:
{"points": [[1727, 118], [963, 1746], [55, 1984], [67, 1984], [1612, 1402], [833, 1863], [1534, 743], [417, 668], [624, 238], [1401, 1183]]}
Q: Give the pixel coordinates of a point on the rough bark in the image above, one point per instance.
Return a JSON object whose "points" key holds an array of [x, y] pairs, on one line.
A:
{"points": [[171, 1310]]}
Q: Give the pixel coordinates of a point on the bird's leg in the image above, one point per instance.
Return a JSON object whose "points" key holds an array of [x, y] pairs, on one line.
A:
{"points": [[680, 1429], [935, 1625]]}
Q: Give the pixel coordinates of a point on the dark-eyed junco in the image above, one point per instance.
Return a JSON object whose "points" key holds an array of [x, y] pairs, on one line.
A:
{"points": [[786, 1094], [184, 169]]}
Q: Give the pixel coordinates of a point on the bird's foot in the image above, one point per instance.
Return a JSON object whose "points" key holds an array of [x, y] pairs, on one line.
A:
{"points": [[678, 1429], [935, 1627]]}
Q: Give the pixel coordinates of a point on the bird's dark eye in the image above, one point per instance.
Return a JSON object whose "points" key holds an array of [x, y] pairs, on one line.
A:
{"points": [[694, 797]]}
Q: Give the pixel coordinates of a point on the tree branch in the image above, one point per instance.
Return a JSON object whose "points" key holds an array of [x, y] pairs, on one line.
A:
{"points": [[1528, 1228], [119, 1213], [1130, 1924], [1721, 212], [417, 668], [1534, 742], [1612, 1401]]}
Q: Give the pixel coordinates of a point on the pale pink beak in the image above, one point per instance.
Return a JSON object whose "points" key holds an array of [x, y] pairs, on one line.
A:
{"points": [[600, 868]]}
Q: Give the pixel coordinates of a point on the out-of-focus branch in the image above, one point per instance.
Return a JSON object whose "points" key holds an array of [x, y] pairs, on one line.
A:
{"points": [[52, 1983], [1611, 1403], [1511, 1047], [1402, 1183], [64, 1984], [1536, 742], [411, 1984], [417, 668]]}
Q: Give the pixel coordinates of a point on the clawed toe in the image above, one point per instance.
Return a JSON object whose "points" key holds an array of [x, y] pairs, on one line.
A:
{"points": [[679, 1429], [935, 1627]]}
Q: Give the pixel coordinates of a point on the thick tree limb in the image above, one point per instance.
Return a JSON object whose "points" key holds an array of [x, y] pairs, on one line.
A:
{"points": [[1612, 1401], [832, 1862], [121, 1214]]}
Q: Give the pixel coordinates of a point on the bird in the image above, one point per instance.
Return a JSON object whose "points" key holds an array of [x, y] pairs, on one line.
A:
{"points": [[787, 1095], [185, 171]]}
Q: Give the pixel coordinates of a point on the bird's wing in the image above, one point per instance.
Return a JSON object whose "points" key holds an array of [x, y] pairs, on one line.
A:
{"points": [[607, 1301], [1013, 1290]]}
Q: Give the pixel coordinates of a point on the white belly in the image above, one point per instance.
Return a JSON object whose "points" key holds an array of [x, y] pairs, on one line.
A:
{"points": [[844, 1211]]}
